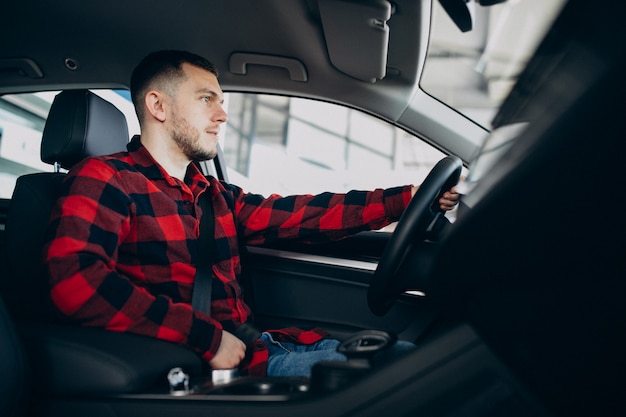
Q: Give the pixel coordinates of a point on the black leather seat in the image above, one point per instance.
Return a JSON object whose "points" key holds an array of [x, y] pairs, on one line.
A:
{"points": [[13, 368], [67, 359], [79, 124]]}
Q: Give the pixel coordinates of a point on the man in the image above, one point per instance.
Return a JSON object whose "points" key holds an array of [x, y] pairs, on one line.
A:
{"points": [[124, 234]]}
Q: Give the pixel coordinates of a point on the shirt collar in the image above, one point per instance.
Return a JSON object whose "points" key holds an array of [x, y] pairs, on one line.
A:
{"points": [[152, 170]]}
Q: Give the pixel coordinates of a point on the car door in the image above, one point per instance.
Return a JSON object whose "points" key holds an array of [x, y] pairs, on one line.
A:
{"points": [[281, 145]]}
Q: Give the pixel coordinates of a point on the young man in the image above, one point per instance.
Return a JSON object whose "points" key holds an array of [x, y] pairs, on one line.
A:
{"points": [[122, 252]]}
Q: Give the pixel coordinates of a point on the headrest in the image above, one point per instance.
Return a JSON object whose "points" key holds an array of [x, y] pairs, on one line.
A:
{"points": [[82, 124]]}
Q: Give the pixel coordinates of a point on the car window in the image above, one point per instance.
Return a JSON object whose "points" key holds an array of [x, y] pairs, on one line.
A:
{"points": [[474, 71], [22, 119], [272, 144], [276, 144]]}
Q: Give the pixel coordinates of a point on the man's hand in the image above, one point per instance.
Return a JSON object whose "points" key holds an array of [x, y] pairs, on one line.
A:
{"points": [[230, 353], [448, 200]]}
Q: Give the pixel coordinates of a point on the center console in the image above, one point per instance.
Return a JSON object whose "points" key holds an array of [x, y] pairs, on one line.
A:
{"points": [[326, 376]]}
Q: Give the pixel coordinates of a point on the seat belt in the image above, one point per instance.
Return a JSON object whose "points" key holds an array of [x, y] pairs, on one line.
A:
{"points": [[202, 287]]}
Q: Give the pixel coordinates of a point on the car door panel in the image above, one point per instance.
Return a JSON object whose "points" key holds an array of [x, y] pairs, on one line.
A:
{"points": [[311, 289]]}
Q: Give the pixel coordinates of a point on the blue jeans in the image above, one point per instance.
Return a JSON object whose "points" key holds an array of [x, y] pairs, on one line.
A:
{"points": [[290, 359]]}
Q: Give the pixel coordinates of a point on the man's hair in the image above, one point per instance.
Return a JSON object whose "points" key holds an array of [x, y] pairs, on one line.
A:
{"points": [[162, 70]]}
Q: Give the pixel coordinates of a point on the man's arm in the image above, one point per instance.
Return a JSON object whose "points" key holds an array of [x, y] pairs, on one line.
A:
{"points": [[317, 218], [326, 216]]}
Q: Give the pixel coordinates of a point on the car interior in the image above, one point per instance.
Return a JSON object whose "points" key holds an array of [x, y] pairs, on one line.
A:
{"points": [[524, 310]]}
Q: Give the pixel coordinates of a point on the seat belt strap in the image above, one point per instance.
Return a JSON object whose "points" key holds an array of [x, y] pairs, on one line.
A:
{"points": [[202, 287]]}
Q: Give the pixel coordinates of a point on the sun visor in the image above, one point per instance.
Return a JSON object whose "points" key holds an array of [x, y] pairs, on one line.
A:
{"points": [[357, 36]]}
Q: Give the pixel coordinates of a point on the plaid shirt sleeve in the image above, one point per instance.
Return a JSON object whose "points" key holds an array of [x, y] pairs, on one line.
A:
{"points": [[318, 218], [88, 225]]}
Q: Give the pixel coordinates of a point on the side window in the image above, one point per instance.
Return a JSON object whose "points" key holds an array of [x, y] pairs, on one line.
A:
{"points": [[282, 145], [22, 119]]}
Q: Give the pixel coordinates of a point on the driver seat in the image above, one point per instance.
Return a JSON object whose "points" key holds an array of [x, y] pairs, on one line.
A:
{"points": [[67, 359]]}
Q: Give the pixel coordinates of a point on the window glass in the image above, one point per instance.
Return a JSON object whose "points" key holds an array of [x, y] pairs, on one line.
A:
{"points": [[272, 144], [283, 145], [474, 71], [22, 119]]}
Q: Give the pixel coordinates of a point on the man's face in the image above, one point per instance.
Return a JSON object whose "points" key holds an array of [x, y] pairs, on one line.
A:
{"points": [[197, 114]]}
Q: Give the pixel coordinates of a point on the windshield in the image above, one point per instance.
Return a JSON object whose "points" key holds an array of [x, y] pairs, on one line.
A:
{"points": [[474, 71]]}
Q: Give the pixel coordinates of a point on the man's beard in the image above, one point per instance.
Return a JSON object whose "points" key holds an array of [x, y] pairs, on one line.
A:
{"points": [[187, 138]]}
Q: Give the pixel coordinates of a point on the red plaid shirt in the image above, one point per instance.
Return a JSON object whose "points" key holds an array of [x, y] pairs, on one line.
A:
{"points": [[123, 241]]}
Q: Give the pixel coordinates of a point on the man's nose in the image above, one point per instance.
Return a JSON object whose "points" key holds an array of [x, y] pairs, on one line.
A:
{"points": [[220, 115]]}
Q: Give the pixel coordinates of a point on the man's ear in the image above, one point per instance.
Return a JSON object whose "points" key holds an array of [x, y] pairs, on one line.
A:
{"points": [[155, 104]]}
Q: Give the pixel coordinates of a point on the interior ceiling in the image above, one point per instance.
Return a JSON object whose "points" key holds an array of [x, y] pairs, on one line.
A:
{"points": [[107, 39]]}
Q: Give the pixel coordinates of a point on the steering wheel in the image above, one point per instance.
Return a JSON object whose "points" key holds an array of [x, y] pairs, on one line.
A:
{"points": [[421, 212]]}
